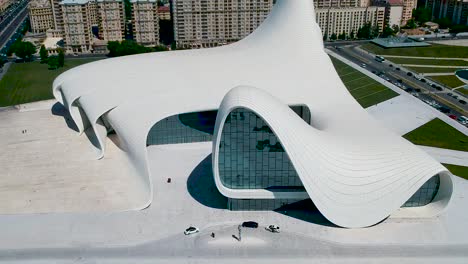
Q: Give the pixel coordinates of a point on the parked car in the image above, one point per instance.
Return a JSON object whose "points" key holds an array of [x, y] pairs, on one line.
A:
{"points": [[250, 224], [273, 228], [423, 80], [439, 88], [397, 69], [463, 102], [363, 65], [455, 96], [449, 94], [463, 120], [409, 74], [390, 65], [191, 230], [444, 109], [454, 117]]}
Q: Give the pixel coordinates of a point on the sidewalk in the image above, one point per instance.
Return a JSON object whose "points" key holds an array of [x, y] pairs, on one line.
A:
{"points": [[448, 156]]}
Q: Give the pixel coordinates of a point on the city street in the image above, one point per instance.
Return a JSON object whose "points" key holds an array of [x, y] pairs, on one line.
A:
{"points": [[9, 26], [427, 93]]}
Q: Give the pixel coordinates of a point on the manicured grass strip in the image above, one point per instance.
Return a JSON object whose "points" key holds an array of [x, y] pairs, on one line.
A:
{"points": [[364, 89], [428, 61], [449, 80], [32, 81], [433, 70], [437, 133], [435, 50], [460, 171], [463, 91]]}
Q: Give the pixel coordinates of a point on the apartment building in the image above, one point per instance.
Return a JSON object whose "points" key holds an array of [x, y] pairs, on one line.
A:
{"points": [[208, 23], [347, 20], [77, 28], [456, 10], [41, 16], [340, 3], [145, 22], [4, 4], [111, 16], [408, 6], [164, 13]]}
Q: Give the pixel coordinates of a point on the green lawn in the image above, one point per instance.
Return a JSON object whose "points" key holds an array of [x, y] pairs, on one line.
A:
{"points": [[449, 80], [435, 50], [437, 133], [433, 70], [460, 171], [31, 81], [364, 89], [428, 62]]}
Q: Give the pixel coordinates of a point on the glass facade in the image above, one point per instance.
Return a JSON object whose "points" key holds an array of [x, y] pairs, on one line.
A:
{"points": [[425, 194], [258, 204], [183, 128], [251, 156]]}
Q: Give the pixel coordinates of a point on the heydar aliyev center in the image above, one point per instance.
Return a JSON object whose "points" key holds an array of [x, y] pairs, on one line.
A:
{"points": [[283, 126]]}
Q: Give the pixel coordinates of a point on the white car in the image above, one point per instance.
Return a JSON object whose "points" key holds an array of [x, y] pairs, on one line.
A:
{"points": [[273, 228], [191, 230]]}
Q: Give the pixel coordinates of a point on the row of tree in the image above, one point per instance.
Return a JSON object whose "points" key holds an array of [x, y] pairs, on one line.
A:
{"points": [[367, 31], [422, 15], [55, 61], [130, 47]]}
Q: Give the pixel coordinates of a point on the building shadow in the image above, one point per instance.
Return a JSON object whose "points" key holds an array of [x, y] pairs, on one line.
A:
{"points": [[201, 186], [59, 110], [305, 210]]}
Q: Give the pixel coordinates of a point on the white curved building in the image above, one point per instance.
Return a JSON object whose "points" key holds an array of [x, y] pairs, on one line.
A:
{"points": [[286, 129]]}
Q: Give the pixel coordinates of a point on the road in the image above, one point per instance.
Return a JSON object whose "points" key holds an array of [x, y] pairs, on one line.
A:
{"points": [[426, 92], [11, 28]]}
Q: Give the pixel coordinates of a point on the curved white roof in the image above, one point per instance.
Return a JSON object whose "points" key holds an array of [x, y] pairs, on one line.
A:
{"points": [[353, 164]]}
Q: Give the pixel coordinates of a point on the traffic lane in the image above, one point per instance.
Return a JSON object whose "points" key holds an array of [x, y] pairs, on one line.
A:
{"points": [[423, 95], [8, 32], [403, 75]]}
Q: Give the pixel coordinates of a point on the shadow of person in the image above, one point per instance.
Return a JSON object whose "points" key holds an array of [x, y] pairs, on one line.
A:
{"points": [[59, 110], [201, 186]]}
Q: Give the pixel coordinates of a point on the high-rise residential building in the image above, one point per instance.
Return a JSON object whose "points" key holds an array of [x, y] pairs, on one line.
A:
{"points": [[408, 6], [111, 16], [394, 13], [77, 28], [79, 17], [207, 23], [145, 22], [340, 3], [455, 10], [346, 20], [4, 4], [164, 13], [41, 16]]}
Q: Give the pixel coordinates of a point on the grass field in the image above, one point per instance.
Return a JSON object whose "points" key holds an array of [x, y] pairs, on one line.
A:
{"points": [[449, 80], [31, 81], [364, 89], [460, 171], [437, 133], [428, 62], [435, 50]]}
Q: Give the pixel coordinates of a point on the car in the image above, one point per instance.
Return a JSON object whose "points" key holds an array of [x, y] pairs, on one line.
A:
{"points": [[363, 65], [463, 102], [397, 69], [444, 109], [400, 80], [449, 94], [463, 120], [439, 88], [423, 80], [409, 74], [250, 224], [390, 65], [433, 85], [454, 117], [374, 72], [191, 230], [455, 96], [417, 90], [273, 228]]}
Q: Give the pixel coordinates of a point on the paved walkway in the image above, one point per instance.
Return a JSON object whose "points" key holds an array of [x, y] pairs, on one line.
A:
{"points": [[4, 69], [436, 73], [447, 155], [433, 66], [416, 57]]}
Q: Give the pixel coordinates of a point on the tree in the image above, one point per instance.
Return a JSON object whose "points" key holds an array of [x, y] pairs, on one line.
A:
{"points": [[61, 58], [365, 32], [458, 28], [411, 24], [351, 35], [173, 45], [53, 63], [422, 15], [325, 37], [24, 50], [342, 36], [396, 29], [444, 22], [333, 36], [387, 32], [375, 31], [44, 54]]}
